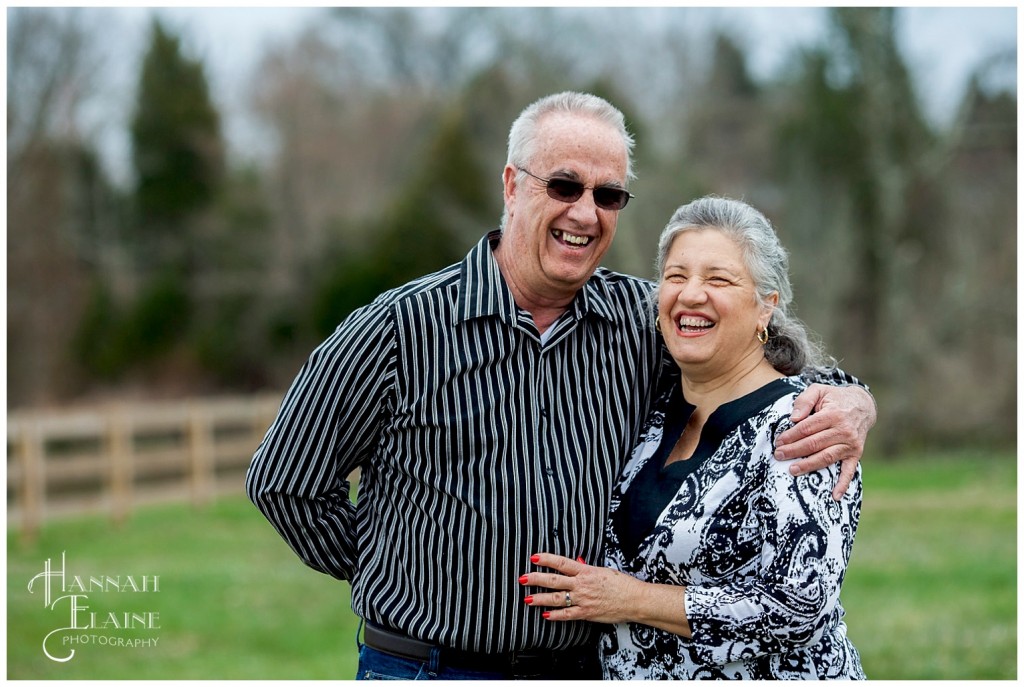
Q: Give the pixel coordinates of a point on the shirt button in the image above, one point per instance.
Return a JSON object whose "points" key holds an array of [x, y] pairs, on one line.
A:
{"points": [[544, 412], [549, 472]]}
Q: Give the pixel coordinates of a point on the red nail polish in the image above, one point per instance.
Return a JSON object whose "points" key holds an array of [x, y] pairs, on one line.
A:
{"points": [[546, 614], [535, 558], [528, 600], [523, 579], [580, 559]]}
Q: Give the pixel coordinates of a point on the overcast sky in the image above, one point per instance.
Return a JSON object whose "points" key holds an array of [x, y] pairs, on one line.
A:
{"points": [[941, 44]]}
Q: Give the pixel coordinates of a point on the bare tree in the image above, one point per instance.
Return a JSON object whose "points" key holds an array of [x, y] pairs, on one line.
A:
{"points": [[53, 179]]}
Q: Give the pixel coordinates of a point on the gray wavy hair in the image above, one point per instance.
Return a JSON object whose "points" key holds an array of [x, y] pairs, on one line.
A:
{"points": [[523, 134], [791, 346]]}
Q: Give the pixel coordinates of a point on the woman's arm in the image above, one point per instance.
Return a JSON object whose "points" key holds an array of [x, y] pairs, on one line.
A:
{"points": [[604, 595], [792, 597], [787, 602]]}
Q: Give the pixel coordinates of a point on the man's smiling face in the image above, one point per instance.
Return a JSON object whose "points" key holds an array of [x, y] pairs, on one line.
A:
{"points": [[556, 246]]}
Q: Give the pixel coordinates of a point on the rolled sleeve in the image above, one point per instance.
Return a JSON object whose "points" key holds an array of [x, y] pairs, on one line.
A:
{"points": [[792, 599]]}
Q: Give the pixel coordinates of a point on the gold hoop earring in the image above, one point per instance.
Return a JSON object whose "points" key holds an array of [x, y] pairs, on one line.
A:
{"points": [[764, 333], [657, 324]]}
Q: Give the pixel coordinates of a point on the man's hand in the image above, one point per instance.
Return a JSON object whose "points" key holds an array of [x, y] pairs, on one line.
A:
{"points": [[831, 424]]}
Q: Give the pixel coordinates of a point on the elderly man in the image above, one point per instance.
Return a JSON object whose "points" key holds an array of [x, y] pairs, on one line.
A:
{"points": [[490, 407]]}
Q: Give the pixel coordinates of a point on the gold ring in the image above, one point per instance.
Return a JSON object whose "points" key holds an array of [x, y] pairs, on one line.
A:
{"points": [[568, 600]]}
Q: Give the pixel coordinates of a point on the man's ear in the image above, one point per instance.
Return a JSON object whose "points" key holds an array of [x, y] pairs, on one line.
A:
{"points": [[508, 182]]}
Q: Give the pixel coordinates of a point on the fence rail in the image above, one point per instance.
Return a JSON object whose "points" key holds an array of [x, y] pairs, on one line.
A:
{"points": [[111, 459]]}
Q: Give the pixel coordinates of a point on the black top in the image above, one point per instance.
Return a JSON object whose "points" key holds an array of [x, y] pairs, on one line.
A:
{"points": [[656, 484]]}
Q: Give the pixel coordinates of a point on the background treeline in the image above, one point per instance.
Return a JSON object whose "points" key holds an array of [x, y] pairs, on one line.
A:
{"points": [[383, 137]]}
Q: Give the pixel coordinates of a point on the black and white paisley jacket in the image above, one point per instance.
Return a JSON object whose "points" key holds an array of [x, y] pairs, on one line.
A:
{"points": [[762, 555]]}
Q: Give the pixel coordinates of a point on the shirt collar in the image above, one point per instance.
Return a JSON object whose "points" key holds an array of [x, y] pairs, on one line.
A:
{"points": [[483, 291]]}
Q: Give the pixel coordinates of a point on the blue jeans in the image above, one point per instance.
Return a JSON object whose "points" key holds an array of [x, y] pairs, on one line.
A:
{"points": [[377, 665]]}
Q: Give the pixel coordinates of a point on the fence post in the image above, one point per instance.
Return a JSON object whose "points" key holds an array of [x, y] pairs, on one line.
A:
{"points": [[200, 455], [33, 495], [119, 441], [264, 416]]}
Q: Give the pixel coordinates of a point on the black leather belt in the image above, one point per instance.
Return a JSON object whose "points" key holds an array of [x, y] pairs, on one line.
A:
{"points": [[532, 662]]}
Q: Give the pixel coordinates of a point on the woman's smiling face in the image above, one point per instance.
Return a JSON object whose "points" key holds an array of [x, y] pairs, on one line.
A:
{"points": [[707, 303]]}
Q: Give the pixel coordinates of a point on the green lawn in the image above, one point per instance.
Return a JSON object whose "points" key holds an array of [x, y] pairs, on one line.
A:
{"points": [[930, 594], [234, 601]]}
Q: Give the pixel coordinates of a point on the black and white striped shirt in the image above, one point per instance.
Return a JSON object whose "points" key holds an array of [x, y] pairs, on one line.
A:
{"points": [[479, 445]]}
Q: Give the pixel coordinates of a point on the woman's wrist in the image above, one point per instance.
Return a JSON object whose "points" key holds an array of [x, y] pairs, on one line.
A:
{"points": [[662, 606]]}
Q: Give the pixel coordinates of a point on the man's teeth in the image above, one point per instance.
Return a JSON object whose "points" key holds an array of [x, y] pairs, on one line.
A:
{"points": [[695, 323], [571, 239]]}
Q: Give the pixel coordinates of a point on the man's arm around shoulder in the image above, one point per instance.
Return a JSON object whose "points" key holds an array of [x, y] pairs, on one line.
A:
{"points": [[831, 424]]}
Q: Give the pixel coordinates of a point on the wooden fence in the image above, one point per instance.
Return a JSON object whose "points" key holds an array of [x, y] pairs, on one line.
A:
{"points": [[111, 459]]}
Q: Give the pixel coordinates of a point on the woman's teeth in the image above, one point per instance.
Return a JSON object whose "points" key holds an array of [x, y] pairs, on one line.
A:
{"points": [[694, 323]]}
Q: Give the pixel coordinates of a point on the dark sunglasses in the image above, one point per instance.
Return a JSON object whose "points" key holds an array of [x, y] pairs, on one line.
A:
{"points": [[569, 191]]}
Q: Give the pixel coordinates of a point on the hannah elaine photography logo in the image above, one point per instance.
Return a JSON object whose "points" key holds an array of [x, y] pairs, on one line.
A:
{"points": [[68, 597]]}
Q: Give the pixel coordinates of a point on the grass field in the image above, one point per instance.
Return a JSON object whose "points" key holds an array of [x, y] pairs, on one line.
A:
{"points": [[930, 594]]}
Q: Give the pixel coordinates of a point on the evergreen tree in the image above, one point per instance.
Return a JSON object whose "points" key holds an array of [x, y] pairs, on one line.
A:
{"points": [[449, 196], [177, 147], [861, 130], [446, 206]]}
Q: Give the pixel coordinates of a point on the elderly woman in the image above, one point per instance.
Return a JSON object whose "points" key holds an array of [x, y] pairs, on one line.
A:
{"points": [[720, 563]]}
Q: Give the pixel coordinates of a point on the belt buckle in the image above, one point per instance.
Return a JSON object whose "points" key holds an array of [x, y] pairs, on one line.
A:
{"points": [[524, 664]]}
